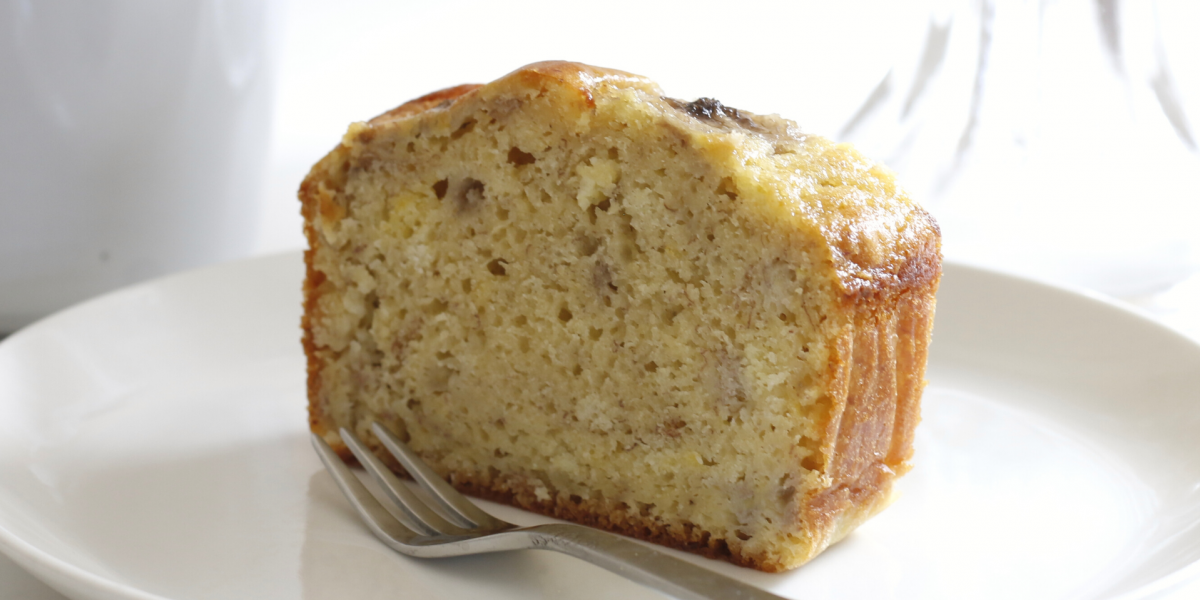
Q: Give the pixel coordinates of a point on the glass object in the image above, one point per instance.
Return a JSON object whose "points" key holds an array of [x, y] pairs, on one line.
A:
{"points": [[1052, 139], [132, 141]]}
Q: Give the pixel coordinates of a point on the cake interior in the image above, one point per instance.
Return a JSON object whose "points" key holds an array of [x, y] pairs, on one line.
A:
{"points": [[605, 325]]}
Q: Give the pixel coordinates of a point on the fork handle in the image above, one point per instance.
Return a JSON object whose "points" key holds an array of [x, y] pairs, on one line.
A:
{"points": [[637, 562]]}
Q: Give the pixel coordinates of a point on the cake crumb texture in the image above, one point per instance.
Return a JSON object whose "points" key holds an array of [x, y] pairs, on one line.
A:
{"points": [[671, 319]]}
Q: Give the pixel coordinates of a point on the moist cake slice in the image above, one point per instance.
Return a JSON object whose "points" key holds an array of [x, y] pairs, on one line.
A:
{"points": [[674, 320]]}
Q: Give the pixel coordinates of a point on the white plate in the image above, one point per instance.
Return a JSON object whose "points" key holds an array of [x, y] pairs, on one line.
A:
{"points": [[153, 445]]}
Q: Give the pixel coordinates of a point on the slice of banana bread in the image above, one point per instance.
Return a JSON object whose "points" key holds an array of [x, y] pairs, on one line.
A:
{"points": [[674, 320]]}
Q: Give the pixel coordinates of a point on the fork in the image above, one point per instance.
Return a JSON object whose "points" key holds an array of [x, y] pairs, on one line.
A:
{"points": [[450, 525]]}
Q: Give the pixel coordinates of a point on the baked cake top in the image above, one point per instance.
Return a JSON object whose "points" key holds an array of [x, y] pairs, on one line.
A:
{"points": [[878, 240]]}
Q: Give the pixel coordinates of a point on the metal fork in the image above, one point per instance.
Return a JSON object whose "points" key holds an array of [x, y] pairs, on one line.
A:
{"points": [[450, 525]]}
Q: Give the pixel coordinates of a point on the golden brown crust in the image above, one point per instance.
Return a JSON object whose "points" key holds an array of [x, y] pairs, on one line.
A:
{"points": [[314, 200], [916, 263], [914, 330], [876, 396], [440, 98], [312, 281]]}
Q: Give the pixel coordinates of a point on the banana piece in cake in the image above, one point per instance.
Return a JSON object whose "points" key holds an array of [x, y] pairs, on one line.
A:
{"points": [[674, 320]]}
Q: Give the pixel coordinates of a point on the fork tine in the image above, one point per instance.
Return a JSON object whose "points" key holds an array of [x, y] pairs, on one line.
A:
{"points": [[413, 509], [447, 501], [378, 519]]}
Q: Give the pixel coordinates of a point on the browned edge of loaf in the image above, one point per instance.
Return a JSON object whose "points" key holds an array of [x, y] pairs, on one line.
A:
{"points": [[877, 384]]}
